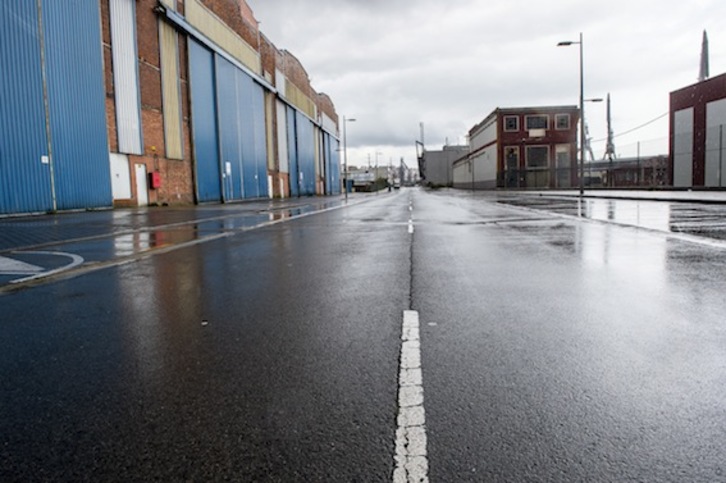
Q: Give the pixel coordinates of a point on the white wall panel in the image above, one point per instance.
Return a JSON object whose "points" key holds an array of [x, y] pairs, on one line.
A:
{"points": [[282, 138], [715, 143], [683, 148], [126, 75]]}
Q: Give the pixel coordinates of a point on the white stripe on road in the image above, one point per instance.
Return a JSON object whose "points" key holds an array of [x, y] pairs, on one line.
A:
{"points": [[10, 266], [76, 260], [410, 226], [411, 460]]}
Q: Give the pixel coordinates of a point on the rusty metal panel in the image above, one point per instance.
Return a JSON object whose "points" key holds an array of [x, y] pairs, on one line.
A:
{"points": [[126, 76]]}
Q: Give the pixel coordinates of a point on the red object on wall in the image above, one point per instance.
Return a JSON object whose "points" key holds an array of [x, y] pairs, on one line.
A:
{"points": [[155, 180]]}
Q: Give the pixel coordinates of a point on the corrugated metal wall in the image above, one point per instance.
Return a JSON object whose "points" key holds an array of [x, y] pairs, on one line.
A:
{"points": [[259, 138], [306, 153], [332, 165], [228, 108], [282, 137], [171, 91], [204, 123], [126, 76], [60, 62], [25, 184], [292, 152], [230, 129], [76, 92]]}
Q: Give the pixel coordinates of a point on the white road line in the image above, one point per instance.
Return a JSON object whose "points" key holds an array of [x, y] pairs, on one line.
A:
{"points": [[410, 226], [411, 460], [10, 266], [76, 260]]}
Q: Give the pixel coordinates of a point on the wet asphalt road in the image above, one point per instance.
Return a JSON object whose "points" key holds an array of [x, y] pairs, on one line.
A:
{"points": [[552, 349]]}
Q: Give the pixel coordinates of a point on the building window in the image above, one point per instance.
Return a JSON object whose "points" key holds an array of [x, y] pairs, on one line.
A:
{"points": [[511, 123], [537, 122], [538, 157], [562, 122]]}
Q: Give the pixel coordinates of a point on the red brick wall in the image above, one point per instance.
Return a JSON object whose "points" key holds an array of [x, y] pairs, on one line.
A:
{"points": [[176, 175]]}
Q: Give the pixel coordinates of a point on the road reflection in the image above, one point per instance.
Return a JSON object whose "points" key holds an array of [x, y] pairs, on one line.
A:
{"points": [[654, 216]]}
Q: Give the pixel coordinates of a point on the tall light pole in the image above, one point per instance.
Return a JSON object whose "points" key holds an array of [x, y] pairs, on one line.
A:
{"points": [[582, 111], [345, 156]]}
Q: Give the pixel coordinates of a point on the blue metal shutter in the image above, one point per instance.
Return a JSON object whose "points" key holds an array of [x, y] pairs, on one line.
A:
{"points": [[76, 94], [292, 152], [260, 139], [230, 137], [204, 123], [25, 184], [306, 154]]}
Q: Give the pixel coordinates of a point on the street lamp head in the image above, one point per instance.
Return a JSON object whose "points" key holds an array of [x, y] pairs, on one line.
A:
{"points": [[351, 120], [565, 43], [597, 99]]}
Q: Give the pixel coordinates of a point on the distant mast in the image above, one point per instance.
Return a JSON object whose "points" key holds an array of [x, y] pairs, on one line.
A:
{"points": [[703, 72], [610, 147]]}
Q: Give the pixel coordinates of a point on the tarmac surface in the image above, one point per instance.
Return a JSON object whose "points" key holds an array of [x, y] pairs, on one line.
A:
{"points": [[444, 334]]}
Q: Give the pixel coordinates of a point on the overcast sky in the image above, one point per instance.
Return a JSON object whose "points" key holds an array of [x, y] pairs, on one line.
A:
{"points": [[393, 64]]}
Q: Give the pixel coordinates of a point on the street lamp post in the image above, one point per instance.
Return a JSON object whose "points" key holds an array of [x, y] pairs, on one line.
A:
{"points": [[582, 111], [345, 156]]}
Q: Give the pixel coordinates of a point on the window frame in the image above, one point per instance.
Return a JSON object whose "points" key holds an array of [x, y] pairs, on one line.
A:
{"points": [[532, 116], [557, 122], [516, 119], [527, 156]]}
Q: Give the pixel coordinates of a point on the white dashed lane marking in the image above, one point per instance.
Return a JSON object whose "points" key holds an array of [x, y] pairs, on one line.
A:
{"points": [[411, 459]]}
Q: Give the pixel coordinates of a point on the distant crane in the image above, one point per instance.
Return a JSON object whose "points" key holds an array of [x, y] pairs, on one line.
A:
{"points": [[610, 147]]}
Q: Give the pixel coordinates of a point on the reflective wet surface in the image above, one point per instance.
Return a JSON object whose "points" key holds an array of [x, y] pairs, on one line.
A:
{"points": [[701, 219], [553, 347]]}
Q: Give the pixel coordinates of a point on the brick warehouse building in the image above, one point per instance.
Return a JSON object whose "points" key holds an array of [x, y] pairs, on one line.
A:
{"points": [[129, 102], [528, 147], [698, 134]]}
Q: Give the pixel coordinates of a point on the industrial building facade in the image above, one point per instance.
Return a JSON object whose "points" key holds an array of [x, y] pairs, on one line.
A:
{"points": [[437, 166], [532, 147], [135, 102], [697, 134]]}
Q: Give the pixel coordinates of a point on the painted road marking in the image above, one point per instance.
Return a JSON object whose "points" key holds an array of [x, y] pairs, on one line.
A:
{"points": [[411, 459], [75, 261], [410, 226], [10, 266]]}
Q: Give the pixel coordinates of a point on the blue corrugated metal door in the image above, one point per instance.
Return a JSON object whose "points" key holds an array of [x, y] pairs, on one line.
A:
{"points": [[306, 154], [332, 164], [77, 103], [25, 184], [229, 110], [204, 123], [247, 127], [260, 138], [292, 152], [70, 169], [326, 163]]}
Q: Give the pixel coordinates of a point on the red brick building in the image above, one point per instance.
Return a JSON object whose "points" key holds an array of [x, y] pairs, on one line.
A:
{"points": [[697, 134], [529, 147]]}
